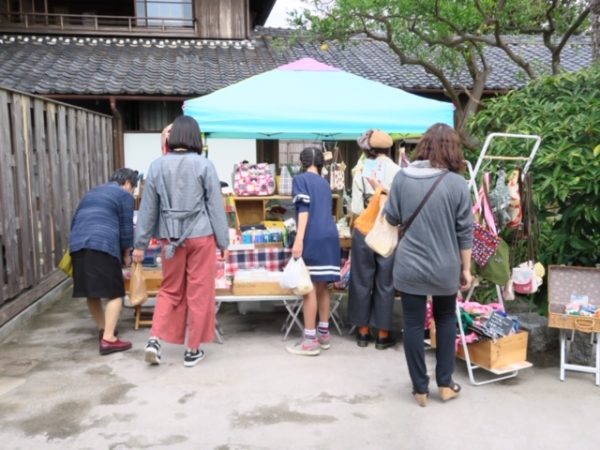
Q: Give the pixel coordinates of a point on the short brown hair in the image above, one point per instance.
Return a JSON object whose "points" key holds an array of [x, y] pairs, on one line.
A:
{"points": [[441, 146]]}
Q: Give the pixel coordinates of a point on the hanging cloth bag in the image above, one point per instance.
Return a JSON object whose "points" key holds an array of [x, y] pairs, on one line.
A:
{"points": [[485, 236], [337, 172], [497, 269], [515, 207], [288, 172]]}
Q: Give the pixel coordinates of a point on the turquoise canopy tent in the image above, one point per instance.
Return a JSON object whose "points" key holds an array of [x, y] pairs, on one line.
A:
{"points": [[307, 99]]}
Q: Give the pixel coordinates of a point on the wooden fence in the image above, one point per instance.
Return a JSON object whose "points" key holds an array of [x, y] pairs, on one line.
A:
{"points": [[50, 155]]}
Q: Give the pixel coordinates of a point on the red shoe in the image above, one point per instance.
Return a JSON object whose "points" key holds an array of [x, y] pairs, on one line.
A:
{"points": [[107, 347]]}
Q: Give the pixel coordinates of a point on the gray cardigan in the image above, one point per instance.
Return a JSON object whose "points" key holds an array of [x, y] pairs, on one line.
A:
{"points": [[427, 259], [182, 196]]}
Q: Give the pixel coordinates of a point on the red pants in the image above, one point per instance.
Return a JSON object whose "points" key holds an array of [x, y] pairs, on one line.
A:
{"points": [[187, 293]]}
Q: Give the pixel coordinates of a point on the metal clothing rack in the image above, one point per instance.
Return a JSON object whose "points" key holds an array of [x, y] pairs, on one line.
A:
{"points": [[512, 370]]}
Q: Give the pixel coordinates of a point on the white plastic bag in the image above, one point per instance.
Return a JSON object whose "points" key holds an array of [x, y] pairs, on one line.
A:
{"points": [[383, 237], [296, 277]]}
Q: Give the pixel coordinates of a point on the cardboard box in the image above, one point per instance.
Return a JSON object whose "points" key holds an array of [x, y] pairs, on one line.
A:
{"points": [[259, 288], [490, 354]]}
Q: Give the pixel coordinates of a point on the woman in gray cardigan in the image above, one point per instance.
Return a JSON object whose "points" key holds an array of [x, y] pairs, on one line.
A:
{"points": [[182, 205], [434, 256]]}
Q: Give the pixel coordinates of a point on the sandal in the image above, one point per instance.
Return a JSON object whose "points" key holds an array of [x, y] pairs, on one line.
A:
{"points": [[421, 398], [449, 392]]}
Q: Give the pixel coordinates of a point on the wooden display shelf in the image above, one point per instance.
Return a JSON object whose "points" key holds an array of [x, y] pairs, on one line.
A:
{"points": [[252, 210]]}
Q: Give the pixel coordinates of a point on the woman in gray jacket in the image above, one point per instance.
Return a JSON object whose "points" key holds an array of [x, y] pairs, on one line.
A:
{"points": [[182, 205], [434, 256]]}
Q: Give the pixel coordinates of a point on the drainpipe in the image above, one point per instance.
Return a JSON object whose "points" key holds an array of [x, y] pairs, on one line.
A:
{"points": [[118, 143]]}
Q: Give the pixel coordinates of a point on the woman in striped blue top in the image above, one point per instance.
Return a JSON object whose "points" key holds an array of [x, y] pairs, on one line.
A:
{"points": [[317, 242]]}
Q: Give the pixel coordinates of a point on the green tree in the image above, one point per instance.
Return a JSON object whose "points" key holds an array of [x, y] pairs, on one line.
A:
{"points": [[446, 36], [565, 110]]}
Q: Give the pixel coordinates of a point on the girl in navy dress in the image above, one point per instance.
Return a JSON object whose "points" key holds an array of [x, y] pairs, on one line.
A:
{"points": [[318, 243]]}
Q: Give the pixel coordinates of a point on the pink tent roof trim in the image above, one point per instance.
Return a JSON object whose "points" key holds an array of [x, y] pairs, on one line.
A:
{"points": [[308, 64]]}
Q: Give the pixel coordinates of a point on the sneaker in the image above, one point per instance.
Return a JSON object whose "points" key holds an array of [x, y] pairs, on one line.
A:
{"points": [[152, 352], [324, 340], [190, 359], [107, 347], [305, 347]]}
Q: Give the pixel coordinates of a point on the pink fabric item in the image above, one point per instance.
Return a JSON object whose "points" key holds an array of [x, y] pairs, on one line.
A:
{"points": [[469, 339], [187, 294], [309, 64], [478, 308]]}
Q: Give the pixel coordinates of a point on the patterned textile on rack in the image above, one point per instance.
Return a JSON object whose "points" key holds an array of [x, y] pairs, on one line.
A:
{"points": [[272, 259]]}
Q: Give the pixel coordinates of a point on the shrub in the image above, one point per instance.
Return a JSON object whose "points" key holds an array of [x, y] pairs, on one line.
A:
{"points": [[564, 111]]}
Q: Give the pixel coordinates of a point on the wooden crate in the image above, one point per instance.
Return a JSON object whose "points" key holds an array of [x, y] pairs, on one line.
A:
{"points": [[501, 353], [259, 288], [563, 281], [488, 354]]}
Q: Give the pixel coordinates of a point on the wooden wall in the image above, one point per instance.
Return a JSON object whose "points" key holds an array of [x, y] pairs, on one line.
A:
{"points": [[222, 19], [50, 155]]}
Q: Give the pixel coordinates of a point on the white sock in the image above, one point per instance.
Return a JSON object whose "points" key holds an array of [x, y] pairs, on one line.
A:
{"points": [[310, 334], [323, 327]]}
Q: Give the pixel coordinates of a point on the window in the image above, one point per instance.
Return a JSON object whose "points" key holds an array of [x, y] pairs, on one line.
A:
{"points": [[167, 13]]}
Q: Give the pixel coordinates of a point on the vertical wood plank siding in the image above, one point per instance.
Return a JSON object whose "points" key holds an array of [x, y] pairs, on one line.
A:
{"points": [[222, 19], [51, 154]]}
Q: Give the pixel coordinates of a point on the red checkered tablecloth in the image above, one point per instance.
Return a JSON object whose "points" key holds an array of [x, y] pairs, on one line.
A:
{"points": [[273, 259]]}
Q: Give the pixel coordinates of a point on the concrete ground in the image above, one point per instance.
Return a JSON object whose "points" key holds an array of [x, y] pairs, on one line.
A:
{"points": [[56, 392]]}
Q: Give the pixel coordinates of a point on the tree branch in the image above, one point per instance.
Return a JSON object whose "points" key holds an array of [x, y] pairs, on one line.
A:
{"points": [[570, 31], [410, 60]]}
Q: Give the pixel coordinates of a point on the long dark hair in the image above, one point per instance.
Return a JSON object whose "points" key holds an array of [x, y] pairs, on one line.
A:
{"points": [[185, 134], [441, 146]]}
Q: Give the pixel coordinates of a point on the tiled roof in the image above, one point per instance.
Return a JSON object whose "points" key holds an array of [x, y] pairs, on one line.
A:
{"points": [[185, 67]]}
